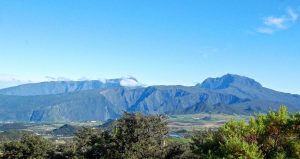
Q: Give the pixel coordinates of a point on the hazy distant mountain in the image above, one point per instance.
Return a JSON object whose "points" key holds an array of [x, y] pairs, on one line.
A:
{"points": [[230, 80], [58, 87], [245, 87], [93, 100]]}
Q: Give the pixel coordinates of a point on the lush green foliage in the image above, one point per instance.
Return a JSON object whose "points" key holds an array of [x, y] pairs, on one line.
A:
{"points": [[30, 146], [275, 135], [132, 136]]}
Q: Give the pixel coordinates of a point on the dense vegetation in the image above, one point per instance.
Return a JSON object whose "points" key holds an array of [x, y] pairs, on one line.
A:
{"points": [[275, 135], [134, 136]]}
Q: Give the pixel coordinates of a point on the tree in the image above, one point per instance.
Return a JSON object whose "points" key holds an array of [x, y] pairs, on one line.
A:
{"points": [[30, 146], [274, 135], [139, 136], [94, 143], [133, 136], [83, 139], [178, 150], [64, 151]]}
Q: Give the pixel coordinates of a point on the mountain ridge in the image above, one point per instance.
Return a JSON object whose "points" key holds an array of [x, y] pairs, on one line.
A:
{"points": [[59, 87], [231, 94], [227, 80]]}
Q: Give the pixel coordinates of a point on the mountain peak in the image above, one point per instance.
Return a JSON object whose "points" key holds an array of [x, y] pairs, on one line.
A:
{"points": [[229, 80]]}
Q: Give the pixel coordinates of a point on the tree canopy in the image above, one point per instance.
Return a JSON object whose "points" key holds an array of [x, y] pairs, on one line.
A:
{"points": [[275, 135], [30, 146]]}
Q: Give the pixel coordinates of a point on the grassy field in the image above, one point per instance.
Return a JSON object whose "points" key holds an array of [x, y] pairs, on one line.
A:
{"points": [[14, 130], [180, 140], [180, 126], [201, 121]]}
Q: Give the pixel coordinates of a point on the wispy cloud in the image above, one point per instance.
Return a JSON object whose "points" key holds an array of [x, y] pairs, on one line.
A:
{"points": [[49, 78], [265, 30], [272, 24], [276, 22], [8, 80], [292, 14]]}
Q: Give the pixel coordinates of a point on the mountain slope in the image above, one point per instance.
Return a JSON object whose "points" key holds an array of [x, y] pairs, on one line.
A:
{"points": [[230, 94], [245, 87], [58, 87], [106, 104], [78, 106]]}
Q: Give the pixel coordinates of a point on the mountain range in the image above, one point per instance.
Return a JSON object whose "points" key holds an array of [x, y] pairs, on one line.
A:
{"points": [[62, 101]]}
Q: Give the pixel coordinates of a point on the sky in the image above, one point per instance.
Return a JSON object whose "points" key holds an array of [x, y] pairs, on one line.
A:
{"points": [[159, 42]]}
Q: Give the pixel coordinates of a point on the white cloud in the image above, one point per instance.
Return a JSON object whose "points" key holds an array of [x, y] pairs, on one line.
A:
{"points": [[13, 80], [129, 82], [272, 24], [277, 22], [265, 30], [293, 15], [49, 78]]}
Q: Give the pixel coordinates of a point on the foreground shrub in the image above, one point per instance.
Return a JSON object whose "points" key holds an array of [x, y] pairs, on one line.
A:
{"points": [[139, 136], [94, 143], [274, 135], [132, 136], [30, 146]]}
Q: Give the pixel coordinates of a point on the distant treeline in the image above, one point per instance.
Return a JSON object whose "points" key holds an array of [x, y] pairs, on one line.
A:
{"points": [[275, 135]]}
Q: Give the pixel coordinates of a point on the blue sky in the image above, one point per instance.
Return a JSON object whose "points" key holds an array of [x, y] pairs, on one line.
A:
{"points": [[156, 41]]}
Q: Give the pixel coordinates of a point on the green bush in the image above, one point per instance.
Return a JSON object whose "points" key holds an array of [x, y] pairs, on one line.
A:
{"points": [[274, 135], [30, 147], [132, 136]]}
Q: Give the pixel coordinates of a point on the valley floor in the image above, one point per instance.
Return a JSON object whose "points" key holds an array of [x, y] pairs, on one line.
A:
{"points": [[180, 126]]}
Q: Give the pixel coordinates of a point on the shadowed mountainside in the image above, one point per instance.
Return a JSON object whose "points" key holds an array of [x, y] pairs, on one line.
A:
{"points": [[230, 94]]}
